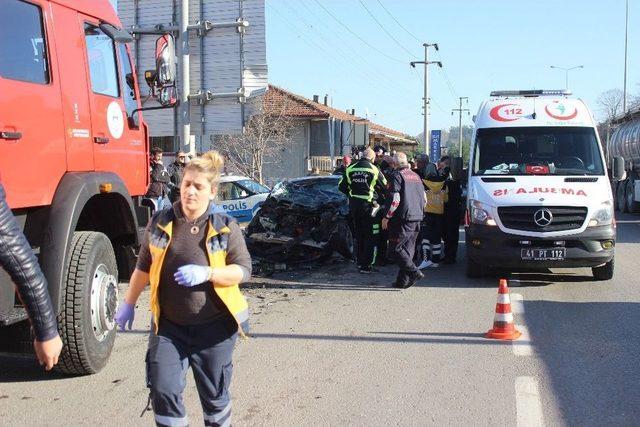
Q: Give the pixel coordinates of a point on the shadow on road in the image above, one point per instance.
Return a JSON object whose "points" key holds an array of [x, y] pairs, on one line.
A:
{"points": [[591, 352], [476, 339], [23, 368]]}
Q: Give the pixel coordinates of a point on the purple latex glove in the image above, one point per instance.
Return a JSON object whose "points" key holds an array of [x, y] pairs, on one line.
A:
{"points": [[125, 315], [191, 275]]}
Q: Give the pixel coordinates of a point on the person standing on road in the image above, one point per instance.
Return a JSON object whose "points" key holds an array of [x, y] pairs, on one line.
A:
{"points": [[364, 184], [346, 161], [176, 171], [159, 177], [403, 221], [431, 233], [194, 259], [17, 259], [452, 212]]}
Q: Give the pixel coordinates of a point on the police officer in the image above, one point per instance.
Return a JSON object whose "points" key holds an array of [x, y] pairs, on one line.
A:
{"points": [[452, 212], [403, 221], [364, 184]]}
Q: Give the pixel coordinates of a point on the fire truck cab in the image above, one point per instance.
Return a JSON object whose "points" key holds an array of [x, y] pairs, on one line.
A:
{"points": [[74, 164]]}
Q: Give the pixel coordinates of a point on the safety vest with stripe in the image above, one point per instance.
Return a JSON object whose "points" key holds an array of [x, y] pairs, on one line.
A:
{"points": [[361, 179], [216, 243]]}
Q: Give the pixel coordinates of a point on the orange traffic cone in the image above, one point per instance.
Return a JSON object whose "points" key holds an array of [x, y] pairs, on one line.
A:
{"points": [[503, 326]]}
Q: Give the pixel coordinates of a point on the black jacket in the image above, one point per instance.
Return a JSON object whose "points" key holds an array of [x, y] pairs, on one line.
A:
{"points": [[17, 258], [159, 181], [176, 172], [363, 180]]}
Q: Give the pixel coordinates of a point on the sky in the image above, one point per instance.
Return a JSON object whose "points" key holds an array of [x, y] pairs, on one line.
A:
{"points": [[484, 45]]}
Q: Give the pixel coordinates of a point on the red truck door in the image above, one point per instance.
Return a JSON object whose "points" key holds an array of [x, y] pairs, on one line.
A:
{"points": [[118, 143], [32, 143]]}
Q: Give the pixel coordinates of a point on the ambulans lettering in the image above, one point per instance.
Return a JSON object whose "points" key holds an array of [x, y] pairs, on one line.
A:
{"points": [[539, 190]]}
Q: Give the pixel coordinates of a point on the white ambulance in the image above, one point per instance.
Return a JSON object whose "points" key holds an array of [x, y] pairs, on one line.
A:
{"points": [[538, 192]]}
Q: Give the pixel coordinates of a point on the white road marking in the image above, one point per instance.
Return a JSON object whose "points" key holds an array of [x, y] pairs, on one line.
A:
{"points": [[517, 304], [528, 405], [522, 346]]}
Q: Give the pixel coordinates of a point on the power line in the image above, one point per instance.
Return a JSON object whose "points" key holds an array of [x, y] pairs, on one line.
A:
{"points": [[356, 35], [398, 22], [328, 55], [346, 55], [385, 30], [447, 80]]}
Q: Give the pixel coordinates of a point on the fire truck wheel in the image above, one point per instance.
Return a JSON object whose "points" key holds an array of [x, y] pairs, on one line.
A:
{"points": [[90, 298]]}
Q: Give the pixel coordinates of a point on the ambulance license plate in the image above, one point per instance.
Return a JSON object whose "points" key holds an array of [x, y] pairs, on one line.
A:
{"points": [[555, 254]]}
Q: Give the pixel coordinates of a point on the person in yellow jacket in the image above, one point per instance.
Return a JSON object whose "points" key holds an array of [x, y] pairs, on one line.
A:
{"points": [[431, 232], [193, 258]]}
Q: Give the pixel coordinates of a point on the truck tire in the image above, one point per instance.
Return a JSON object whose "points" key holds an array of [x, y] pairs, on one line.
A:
{"points": [[474, 270], [632, 205], [90, 297], [621, 197], [604, 272]]}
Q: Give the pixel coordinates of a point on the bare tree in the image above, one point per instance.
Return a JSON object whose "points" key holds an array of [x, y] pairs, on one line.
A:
{"points": [[611, 103], [267, 134]]}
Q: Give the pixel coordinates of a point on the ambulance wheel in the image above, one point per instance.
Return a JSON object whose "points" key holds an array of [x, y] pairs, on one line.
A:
{"points": [[90, 298], [474, 270], [632, 205], [621, 197], [604, 272]]}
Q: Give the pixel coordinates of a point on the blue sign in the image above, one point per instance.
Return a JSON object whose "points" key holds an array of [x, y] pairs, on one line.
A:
{"points": [[434, 145]]}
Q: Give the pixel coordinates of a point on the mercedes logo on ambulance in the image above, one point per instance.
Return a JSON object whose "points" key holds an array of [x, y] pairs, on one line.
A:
{"points": [[543, 217]]}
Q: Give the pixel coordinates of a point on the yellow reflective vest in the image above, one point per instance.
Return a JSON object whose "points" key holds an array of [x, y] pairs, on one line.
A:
{"points": [[216, 244], [437, 196]]}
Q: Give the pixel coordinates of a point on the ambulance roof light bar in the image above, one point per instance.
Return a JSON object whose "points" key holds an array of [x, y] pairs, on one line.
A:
{"points": [[534, 92]]}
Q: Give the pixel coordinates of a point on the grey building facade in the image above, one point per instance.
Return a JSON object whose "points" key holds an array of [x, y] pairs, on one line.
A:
{"points": [[225, 61]]}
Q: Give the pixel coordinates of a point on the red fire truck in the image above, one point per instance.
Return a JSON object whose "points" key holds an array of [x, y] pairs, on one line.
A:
{"points": [[74, 163]]}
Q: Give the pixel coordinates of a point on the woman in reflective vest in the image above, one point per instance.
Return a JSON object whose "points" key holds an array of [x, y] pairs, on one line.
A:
{"points": [[193, 258]]}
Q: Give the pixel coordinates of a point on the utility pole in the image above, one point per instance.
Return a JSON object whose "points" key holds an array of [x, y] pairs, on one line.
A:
{"points": [[185, 113], [460, 110], [426, 63]]}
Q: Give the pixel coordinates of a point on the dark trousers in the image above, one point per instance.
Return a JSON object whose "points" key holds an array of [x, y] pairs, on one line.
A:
{"points": [[207, 349], [367, 232], [402, 246], [451, 230], [431, 234]]}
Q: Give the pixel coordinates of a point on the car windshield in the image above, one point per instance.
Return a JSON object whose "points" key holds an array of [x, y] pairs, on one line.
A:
{"points": [[309, 191], [252, 186], [537, 151]]}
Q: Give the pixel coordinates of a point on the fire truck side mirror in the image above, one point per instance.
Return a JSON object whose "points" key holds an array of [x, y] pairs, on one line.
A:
{"points": [[166, 60], [167, 96]]}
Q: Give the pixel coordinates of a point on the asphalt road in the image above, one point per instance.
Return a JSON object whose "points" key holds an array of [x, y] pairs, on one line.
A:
{"points": [[332, 347]]}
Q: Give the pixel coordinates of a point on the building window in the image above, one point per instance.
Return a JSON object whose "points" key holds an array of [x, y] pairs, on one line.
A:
{"points": [[102, 61], [23, 51], [165, 142]]}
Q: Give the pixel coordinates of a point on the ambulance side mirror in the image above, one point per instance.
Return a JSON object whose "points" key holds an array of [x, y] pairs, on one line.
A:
{"points": [[618, 171], [457, 168], [166, 60]]}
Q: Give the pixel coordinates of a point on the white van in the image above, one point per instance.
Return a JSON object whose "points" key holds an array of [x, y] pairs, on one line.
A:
{"points": [[538, 191]]}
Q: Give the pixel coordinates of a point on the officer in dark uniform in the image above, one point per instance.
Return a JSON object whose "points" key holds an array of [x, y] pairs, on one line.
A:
{"points": [[364, 184], [452, 212], [403, 221]]}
